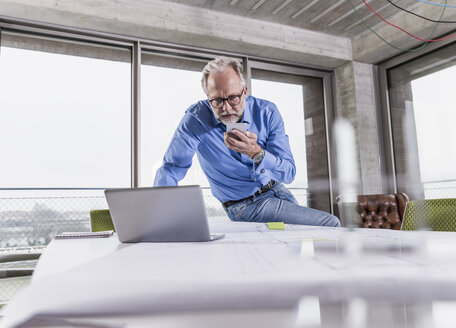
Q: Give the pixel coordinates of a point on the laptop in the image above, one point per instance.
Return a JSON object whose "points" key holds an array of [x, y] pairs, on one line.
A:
{"points": [[159, 214]]}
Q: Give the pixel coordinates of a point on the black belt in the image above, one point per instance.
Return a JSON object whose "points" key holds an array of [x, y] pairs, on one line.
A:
{"points": [[260, 191]]}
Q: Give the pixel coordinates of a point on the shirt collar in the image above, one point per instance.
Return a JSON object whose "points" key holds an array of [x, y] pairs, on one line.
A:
{"points": [[247, 117]]}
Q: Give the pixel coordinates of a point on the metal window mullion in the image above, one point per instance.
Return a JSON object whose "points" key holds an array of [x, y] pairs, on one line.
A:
{"points": [[287, 69], [329, 108], [51, 30], [387, 151], [247, 74], [135, 113]]}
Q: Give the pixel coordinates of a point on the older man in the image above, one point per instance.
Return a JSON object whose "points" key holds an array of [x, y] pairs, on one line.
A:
{"points": [[245, 171]]}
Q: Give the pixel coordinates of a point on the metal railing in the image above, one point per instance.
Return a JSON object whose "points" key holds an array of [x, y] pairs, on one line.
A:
{"points": [[34, 221], [439, 189]]}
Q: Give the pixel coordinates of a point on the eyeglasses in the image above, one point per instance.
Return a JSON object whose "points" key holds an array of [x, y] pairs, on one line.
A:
{"points": [[232, 100]]}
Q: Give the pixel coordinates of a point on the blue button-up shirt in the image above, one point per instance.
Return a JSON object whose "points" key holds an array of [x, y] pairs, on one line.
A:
{"points": [[231, 175]]}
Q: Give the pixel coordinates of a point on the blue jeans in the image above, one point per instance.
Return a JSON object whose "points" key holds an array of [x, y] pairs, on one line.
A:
{"points": [[279, 205]]}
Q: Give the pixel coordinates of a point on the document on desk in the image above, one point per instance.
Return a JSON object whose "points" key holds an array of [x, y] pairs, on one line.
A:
{"points": [[251, 268], [240, 271], [84, 234]]}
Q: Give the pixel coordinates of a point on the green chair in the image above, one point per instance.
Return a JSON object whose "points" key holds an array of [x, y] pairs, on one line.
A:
{"points": [[430, 214], [100, 220]]}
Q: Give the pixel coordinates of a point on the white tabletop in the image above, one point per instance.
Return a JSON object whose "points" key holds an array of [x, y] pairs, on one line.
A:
{"points": [[252, 269], [62, 255]]}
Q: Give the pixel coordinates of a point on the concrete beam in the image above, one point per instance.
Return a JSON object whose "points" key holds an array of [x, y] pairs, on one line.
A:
{"points": [[368, 48], [173, 22]]}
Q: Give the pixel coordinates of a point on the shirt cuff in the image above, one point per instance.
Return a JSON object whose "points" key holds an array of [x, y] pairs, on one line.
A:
{"points": [[268, 163]]}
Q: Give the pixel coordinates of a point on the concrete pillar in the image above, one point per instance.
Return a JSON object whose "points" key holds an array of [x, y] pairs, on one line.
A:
{"points": [[316, 152], [356, 103]]}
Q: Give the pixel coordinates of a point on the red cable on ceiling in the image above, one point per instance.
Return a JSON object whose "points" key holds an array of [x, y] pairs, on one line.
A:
{"points": [[416, 37]]}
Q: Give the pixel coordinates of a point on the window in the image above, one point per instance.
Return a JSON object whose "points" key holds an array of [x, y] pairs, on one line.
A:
{"points": [[65, 118], [299, 99], [64, 133], [423, 114], [66, 127], [289, 99], [169, 85]]}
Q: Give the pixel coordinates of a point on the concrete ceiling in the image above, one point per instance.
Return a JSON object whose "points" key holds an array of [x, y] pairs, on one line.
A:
{"points": [[324, 33], [335, 17]]}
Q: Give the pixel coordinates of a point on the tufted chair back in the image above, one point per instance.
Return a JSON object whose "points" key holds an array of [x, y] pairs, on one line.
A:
{"points": [[384, 211]]}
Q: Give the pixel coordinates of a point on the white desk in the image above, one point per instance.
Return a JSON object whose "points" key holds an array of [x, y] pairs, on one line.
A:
{"points": [[252, 270]]}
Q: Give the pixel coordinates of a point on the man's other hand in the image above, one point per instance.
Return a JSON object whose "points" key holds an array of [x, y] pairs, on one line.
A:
{"points": [[247, 143]]}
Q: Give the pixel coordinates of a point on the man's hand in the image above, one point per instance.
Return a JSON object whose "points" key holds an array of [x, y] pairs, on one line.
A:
{"points": [[247, 143]]}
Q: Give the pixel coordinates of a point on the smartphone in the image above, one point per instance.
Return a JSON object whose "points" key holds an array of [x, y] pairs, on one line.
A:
{"points": [[238, 126]]}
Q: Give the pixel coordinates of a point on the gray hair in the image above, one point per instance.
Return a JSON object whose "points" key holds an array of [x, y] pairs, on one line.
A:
{"points": [[220, 64]]}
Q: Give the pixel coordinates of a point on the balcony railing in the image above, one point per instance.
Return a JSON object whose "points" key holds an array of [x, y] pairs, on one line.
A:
{"points": [[33, 221], [439, 189]]}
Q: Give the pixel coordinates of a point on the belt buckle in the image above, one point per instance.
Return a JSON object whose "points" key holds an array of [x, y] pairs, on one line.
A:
{"points": [[269, 185], [265, 187]]}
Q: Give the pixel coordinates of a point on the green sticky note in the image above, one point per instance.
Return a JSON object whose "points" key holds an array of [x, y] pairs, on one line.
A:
{"points": [[276, 226]]}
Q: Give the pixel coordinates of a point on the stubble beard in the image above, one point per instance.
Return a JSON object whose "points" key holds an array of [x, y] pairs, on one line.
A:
{"points": [[234, 117]]}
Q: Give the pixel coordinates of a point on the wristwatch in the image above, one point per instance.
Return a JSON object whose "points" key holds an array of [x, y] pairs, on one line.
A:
{"points": [[257, 158]]}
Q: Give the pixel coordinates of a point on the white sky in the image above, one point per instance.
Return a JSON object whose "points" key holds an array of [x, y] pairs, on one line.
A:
{"points": [[434, 102], [65, 120]]}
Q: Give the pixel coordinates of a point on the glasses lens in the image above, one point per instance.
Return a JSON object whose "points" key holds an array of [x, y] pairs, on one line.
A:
{"points": [[217, 103], [234, 100]]}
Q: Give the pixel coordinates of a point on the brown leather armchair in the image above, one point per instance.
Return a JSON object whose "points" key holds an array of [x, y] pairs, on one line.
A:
{"points": [[381, 211]]}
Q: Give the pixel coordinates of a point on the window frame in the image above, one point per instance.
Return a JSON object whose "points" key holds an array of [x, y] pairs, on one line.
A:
{"points": [[329, 106], [64, 37], [384, 116]]}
